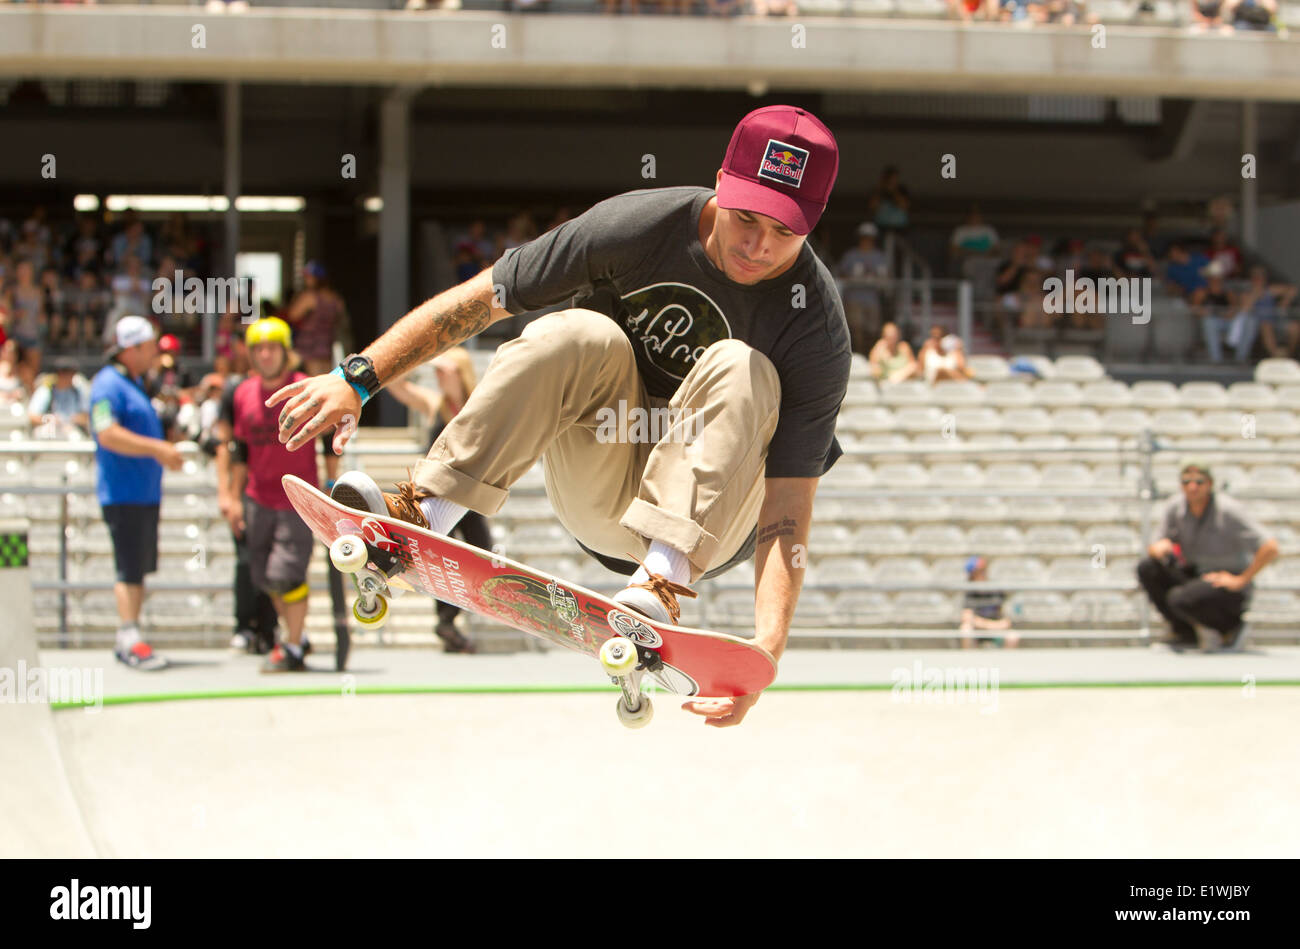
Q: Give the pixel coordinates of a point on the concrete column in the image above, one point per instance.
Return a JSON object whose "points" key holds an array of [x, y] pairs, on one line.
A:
{"points": [[1250, 186], [233, 158], [394, 223]]}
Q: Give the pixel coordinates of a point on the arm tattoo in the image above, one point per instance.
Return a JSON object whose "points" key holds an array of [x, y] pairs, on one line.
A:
{"points": [[464, 320], [784, 528]]}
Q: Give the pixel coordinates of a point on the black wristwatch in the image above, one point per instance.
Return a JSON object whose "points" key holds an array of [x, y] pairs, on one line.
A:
{"points": [[360, 371]]}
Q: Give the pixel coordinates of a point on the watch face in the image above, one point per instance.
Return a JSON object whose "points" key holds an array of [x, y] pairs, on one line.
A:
{"points": [[356, 365]]}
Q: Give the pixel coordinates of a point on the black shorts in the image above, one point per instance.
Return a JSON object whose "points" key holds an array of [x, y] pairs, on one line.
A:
{"points": [[134, 529]]}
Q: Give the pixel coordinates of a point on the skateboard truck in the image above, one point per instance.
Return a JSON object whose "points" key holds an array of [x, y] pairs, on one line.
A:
{"points": [[350, 555], [626, 663]]}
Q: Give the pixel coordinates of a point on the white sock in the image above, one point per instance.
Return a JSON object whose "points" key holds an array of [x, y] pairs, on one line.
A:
{"points": [[128, 635], [666, 561], [295, 649], [442, 514]]}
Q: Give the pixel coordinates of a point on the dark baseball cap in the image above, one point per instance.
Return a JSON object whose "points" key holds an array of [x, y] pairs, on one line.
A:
{"points": [[782, 162]]}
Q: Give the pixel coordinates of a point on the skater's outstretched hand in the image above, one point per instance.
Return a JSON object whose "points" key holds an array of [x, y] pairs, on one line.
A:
{"points": [[314, 406], [721, 713]]}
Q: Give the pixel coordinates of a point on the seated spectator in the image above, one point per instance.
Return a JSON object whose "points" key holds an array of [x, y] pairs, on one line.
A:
{"points": [[60, 403], [943, 357], [84, 251], [983, 609], [967, 10], [318, 316], [1217, 308], [1224, 252], [1069, 12], [87, 309], [132, 241], [1269, 306], [892, 359], [973, 238], [56, 305], [27, 321], [1029, 310], [1012, 270], [1183, 271], [1209, 15], [1015, 11], [132, 294], [1134, 258], [1204, 553], [1097, 266], [715, 7], [764, 7], [864, 266], [1255, 15], [12, 388]]}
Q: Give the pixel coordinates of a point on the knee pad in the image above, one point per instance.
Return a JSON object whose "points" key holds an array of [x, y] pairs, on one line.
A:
{"points": [[290, 594]]}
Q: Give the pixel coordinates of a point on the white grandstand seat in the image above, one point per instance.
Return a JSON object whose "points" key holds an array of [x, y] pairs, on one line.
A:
{"points": [[1288, 396], [1042, 364], [1079, 369], [1016, 570], [1288, 538], [918, 9], [949, 569], [957, 474], [864, 608], [979, 508], [951, 393], [990, 438], [1233, 478], [540, 539], [1053, 540], [825, 7], [1012, 474], [896, 571], [919, 418], [861, 392], [1119, 540], [1270, 607], [909, 392], [1106, 394], [1274, 479], [1065, 474], [924, 508], [1039, 607], [860, 367], [925, 608], [871, 508], [865, 419], [1011, 393], [875, 540], [1175, 423], [988, 368], [1037, 509], [1094, 510], [1076, 571], [556, 566], [1278, 372], [995, 539], [840, 572], [1283, 572], [825, 538], [1251, 396], [977, 419], [732, 608], [1125, 422], [937, 539], [1057, 393], [1154, 394], [902, 474], [1027, 421], [1226, 424], [533, 479], [937, 439], [1202, 395], [1103, 608], [1276, 423], [1056, 442], [850, 475], [1077, 422]]}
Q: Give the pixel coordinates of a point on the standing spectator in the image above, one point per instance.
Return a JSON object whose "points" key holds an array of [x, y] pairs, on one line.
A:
{"points": [[865, 266], [456, 380], [776, 8], [1012, 270], [317, 314], [982, 609], [1255, 15], [1204, 554], [61, 403], [55, 302], [28, 323], [892, 359], [1134, 258], [87, 310], [1216, 307], [1268, 306], [974, 238], [130, 453], [1029, 308], [279, 542], [1183, 272], [1225, 252], [519, 231], [1208, 15], [132, 293], [1097, 267], [132, 241], [890, 204], [84, 251]]}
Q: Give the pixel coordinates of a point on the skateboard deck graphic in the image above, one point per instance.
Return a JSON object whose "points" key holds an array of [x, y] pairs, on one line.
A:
{"points": [[694, 662]]}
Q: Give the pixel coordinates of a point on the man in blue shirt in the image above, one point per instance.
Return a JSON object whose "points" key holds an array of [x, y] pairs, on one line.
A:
{"points": [[130, 453]]}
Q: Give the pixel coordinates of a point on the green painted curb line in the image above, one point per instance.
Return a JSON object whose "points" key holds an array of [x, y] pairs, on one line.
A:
{"points": [[586, 689]]}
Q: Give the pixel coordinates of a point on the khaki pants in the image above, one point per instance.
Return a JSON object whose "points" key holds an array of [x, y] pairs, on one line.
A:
{"points": [[558, 393]]}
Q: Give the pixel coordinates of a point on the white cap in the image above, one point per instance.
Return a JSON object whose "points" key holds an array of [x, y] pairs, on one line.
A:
{"points": [[950, 342], [132, 331]]}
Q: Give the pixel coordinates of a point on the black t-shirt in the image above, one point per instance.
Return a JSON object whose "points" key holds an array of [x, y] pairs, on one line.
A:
{"points": [[985, 603], [638, 259]]}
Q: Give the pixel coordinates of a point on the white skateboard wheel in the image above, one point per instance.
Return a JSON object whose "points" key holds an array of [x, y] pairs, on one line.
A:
{"points": [[618, 656], [349, 554], [374, 619], [638, 719]]}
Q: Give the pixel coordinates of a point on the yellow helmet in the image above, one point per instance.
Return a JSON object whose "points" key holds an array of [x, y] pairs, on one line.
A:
{"points": [[271, 329]]}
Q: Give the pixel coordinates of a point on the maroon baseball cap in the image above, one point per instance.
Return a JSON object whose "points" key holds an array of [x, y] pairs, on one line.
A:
{"points": [[781, 162]]}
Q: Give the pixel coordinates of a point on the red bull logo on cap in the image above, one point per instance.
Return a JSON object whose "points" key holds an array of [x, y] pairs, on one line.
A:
{"points": [[783, 163]]}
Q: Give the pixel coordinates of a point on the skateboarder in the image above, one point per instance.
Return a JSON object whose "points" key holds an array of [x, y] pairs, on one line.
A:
{"points": [[703, 309], [279, 543]]}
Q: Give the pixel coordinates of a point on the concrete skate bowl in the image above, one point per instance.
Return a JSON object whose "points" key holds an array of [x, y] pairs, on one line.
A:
{"points": [[1173, 771]]}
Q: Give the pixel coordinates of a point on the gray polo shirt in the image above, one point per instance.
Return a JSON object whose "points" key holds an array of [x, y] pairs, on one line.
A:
{"points": [[1224, 537]]}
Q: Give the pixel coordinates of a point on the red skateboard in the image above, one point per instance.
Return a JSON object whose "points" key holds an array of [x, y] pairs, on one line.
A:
{"points": [[384, 554]]}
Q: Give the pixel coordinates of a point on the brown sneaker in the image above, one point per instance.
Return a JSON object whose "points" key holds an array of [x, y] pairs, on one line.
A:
{"points": [[655, 598], [356, 489]]}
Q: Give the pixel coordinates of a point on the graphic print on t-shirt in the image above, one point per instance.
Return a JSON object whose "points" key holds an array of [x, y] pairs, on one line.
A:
{"points": [[674, 323]]}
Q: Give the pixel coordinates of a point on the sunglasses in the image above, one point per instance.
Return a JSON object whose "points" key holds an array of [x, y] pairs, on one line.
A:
{"points": [[1195, 481]]}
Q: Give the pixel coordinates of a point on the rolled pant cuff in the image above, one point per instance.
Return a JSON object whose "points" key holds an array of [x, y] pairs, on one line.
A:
{"points": [[446, 482], [680, 533]]}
